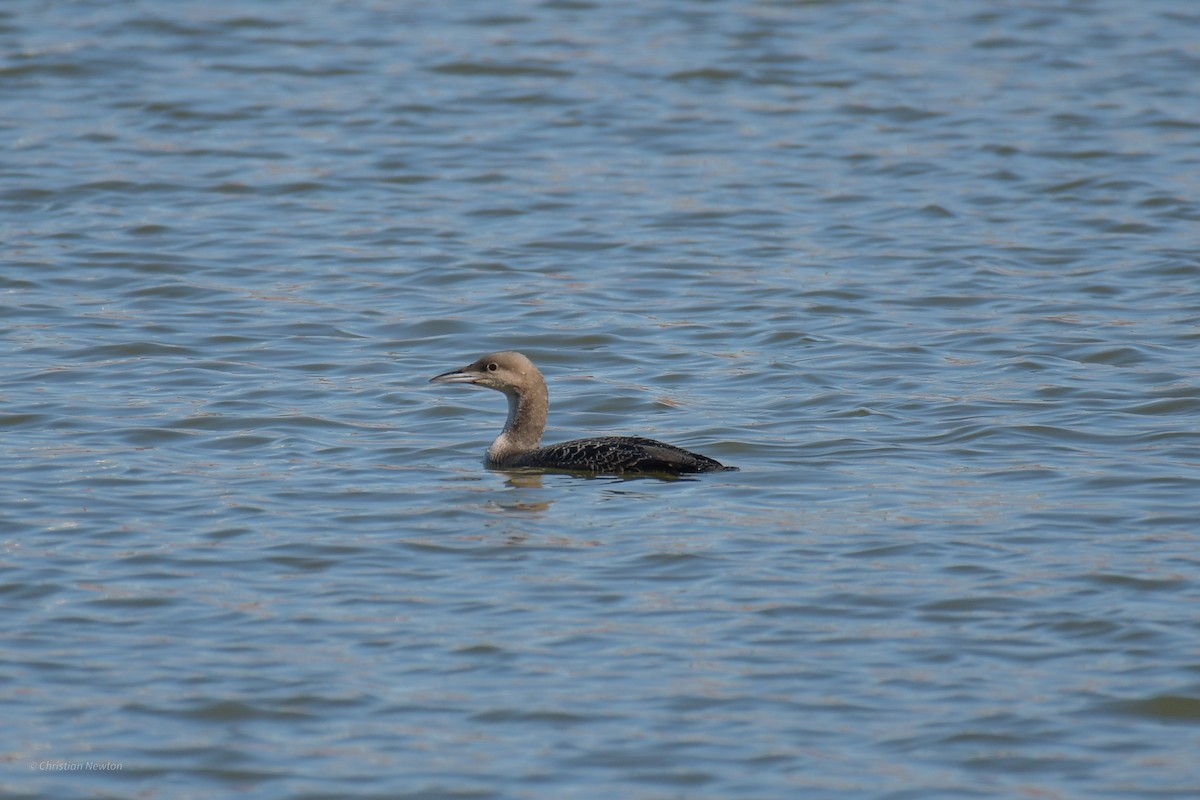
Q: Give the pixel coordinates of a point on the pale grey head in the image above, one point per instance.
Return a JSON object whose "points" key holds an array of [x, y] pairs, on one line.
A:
{"points": [[506, 372], [528, 399]]}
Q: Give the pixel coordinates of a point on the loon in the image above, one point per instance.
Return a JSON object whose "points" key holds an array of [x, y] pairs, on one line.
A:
{"points": [[518, 445]]}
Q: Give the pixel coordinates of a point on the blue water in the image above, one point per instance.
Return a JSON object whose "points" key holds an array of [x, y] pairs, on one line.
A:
{"points": [[927, 272]]}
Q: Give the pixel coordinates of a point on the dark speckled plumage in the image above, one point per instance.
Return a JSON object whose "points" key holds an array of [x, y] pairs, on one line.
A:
{"points": [[518, 445], [618, 455]]}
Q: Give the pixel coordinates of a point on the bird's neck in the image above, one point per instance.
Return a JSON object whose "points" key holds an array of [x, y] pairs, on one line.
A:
{"points": [[526, 422]]}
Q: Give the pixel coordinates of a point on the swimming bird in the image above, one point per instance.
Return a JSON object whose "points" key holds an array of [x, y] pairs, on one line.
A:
{"points": [[519, 444]]}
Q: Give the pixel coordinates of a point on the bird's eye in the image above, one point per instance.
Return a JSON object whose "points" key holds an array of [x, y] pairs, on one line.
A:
{"points": [[492, 367]]}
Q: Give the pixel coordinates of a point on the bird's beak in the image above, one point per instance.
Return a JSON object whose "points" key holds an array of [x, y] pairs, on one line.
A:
{"points": [[456, 376]]}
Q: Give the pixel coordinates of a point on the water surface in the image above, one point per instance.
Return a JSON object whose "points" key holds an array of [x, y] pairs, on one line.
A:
{"points": [[927, 272]]}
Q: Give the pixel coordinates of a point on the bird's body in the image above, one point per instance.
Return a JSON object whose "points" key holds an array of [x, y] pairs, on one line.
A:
{"points": [[519, 444], [614, 454]]}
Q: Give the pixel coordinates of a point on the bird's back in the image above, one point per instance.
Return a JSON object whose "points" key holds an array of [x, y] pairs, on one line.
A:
{"points": [[617, 455]]}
